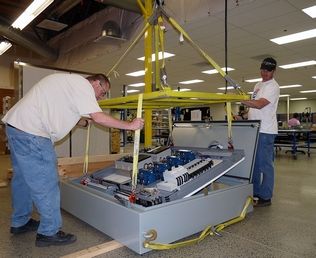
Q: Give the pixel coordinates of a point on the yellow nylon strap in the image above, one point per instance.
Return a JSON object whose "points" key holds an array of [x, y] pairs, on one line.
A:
{"points": [[141, 6], [206, 56], [86, 154], [157, 246], [229, 124], [206, 232], [161, 40], [136, 144], [129, 48], [209, 59], [237, 219], [157, 67]]}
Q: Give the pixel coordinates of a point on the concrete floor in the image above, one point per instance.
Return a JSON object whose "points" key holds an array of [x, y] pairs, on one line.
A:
{"points": [[285, 229]]}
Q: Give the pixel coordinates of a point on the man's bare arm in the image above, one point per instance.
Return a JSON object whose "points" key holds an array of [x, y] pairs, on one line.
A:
{"points": [[256, 103], [109, 121]]}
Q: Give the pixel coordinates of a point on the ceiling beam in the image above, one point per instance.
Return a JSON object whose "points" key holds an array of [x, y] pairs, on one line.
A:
{"points": [[129, 5], [22, 39]]}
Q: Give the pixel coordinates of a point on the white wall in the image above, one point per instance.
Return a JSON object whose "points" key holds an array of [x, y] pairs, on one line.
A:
{"points": [[218, 111], [297, 106]]}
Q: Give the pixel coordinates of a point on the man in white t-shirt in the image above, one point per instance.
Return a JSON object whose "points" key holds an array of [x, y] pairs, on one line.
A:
{"points": [[263, 106], [46, 114]]}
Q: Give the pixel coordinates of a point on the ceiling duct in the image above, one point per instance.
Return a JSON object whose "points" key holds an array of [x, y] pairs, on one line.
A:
{"points": [[129, 5], [20, 38], [64, 7], [111, 30]]}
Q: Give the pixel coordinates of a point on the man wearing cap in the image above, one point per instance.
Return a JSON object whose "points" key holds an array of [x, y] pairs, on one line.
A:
{"points": [[263, 106]]}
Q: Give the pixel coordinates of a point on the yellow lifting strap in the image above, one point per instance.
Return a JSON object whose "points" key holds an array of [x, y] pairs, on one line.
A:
{"points": [[229, 125], [86, 153], [129, 48], [161, 40], [207, 57], [136, 144], [141, 6], [208, 231]]}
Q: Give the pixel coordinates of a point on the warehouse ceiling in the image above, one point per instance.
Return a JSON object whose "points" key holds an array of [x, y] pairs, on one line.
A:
{"points": [[251, 25]]}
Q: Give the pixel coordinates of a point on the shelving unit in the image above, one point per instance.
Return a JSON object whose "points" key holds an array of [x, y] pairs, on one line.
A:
{"points": [[160, 127]]}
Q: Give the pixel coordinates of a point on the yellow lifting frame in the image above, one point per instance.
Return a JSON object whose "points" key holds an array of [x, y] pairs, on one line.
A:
{"points": [[166, 98]]}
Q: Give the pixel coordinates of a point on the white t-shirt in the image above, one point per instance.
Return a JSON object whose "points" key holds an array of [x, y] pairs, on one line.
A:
{"points": [[270, 91], [53, 106]]}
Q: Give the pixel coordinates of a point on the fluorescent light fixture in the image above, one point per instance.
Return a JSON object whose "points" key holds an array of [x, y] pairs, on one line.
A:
{"points": [[300, 64], [254, 80], [132, 91], [137, 73], [228, 88], [284, 95], [213, 71], [153, 57], [4, 46], [250, 92], [30, 13], [298, 98], [19, 63], [184, 89], [307, 91], [311, 11], [295, 37], [290, 86], [314, 77], [139, 84], [191, 81]]}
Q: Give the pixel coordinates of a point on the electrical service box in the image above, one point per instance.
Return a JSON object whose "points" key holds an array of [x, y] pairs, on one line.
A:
{"points": [[171, 186]]}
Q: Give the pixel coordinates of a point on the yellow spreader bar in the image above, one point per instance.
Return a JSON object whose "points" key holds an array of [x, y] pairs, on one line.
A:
{"points": [[168, 98]]}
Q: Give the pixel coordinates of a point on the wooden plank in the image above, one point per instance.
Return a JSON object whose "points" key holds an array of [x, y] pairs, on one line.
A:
{"points": [[73, 166], [76, 170], [95, 158], [3, 184], [95, 250]]}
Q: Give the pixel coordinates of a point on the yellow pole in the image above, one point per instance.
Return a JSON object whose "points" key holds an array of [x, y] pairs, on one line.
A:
{"points": [[148, 73]]}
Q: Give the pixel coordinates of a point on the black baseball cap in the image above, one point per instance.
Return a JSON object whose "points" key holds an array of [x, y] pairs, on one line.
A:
{"points": [[268, 64]]}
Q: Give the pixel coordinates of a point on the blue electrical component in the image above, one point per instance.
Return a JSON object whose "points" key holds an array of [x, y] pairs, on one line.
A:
{"points": [[159, 168], [152, 174], [146, 176], [173, 161], [186, 156]]}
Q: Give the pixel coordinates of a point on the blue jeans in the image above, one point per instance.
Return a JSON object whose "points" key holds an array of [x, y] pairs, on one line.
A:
{"points": [[35, 180], [263, 173]]}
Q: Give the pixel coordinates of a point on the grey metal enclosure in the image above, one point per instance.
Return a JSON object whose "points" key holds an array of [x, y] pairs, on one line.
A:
{"points": [[130, 224]]}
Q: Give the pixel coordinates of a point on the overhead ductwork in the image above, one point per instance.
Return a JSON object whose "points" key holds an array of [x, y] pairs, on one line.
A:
{"points": [[33, 44], [129, 5]]}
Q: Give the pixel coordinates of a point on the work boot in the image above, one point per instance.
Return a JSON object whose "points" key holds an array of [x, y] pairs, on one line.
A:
{"points": [[259, 202], [31, 225], [60, 238]]}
